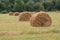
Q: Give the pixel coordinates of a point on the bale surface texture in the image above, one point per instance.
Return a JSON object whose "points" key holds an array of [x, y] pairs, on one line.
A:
{"points": [[11, 13], [16, 13], [40, 19], [24, 16]]}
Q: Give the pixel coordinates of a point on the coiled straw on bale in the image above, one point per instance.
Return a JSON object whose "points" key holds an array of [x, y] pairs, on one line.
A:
{"points": [[16, 13], [25, 16], [40, 19], [11, 13]]}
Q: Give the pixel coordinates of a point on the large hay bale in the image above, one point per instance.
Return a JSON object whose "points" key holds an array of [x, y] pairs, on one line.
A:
{"points": [[11, 13], [16, 13], [40, 19], [25, 16]]}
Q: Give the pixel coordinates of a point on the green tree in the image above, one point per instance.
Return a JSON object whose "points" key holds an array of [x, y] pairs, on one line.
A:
{"points": [[48, 6], [18, 6], [29, 5], [38, 6], [2, 6], [57, 5]]}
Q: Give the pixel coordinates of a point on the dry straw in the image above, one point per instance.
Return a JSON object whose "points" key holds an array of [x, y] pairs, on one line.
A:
{"points": [[40, 19], [25, 16], [11, 13], [16, 14]]}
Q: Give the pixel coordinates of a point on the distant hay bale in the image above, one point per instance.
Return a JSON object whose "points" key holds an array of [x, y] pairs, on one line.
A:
{"points": [[57, 11], [11, 13], [40, 19], [16, 13], [25, 16]]}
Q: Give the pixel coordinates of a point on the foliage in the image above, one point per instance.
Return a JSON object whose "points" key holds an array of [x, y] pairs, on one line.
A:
{"points": [[29, 5]]}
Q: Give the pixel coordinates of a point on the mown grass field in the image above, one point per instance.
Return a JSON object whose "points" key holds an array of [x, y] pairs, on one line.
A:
{"points": [[12, 29]]}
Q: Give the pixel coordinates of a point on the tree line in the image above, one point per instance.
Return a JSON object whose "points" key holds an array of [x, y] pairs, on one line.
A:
{"points": [[29, 5]]}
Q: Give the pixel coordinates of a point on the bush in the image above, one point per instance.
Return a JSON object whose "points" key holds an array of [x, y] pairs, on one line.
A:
{"points": [[29, 5], [57, 5], [48, 6], [4, 12], [38, 7]]}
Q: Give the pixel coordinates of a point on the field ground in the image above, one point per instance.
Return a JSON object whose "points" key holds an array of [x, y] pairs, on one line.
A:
{"points": [[12, 29]]}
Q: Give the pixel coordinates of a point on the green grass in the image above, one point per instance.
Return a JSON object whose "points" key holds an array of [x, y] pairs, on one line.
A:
{"points": [[23, 30]]}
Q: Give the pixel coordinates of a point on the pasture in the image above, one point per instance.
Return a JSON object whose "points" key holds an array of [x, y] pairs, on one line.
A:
{"points": [[12, 29]]}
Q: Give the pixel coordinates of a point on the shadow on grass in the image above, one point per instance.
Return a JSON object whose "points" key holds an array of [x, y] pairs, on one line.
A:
{"points": [[15, 33], [44, 32], [2, 34]]}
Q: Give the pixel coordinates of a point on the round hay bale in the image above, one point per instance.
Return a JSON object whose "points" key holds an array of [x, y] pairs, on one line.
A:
{"points": [[11, 13], [40, 19], [24, 16], [57, 11], [16, 13]]}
